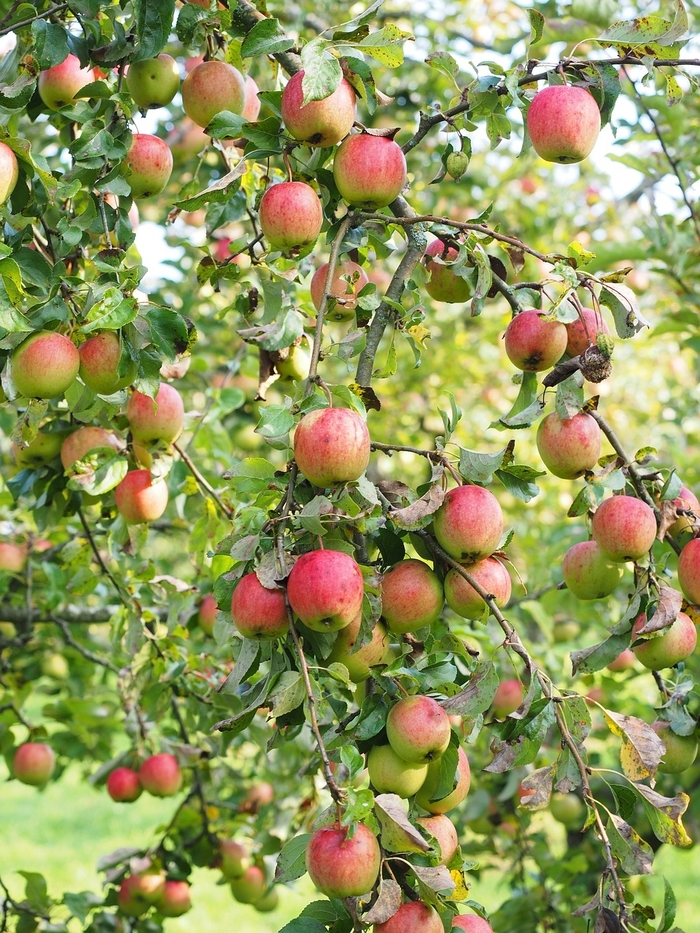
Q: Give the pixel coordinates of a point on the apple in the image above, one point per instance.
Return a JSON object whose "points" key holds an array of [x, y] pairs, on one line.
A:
{"points": [[490, 574], [444, 284], [681, 750], [348, 280], [160, 775], [418, 728], [153, 82], [81, 442], [369, 171], [235, 859], [456, 795], [137, 893], [563, 122], [211, 87], [687, 501], [99, 364], [257, 796], [259, 612], [359, 663], [295, 365], [391, 774], [251, 886], [471, 923], [139, 499], [148, 165], [325, 590], [319, 122], [58, 85], [582, 332], [55, 666], [9, 172], [332, 445], [533, 343], [441, 828], [44, 365], [469, 523], [156, 419], [689, 571], [251, 107], [565, 630], [412, 596], [206, 614], [33, 763], [186, 140], [624, 661], [667, 647], [123, 785], [175, 899], [508, 697], [268, 902], [290, 215], [569, 447], [588, 574], [412, 917], [568, 809], [13, 557], [624, 528], [343, 865], [45, 447]]}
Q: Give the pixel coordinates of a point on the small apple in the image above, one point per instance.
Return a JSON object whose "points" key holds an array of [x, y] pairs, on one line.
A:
{"points": [[508, 697], [490, 574], [569, 447], [153, 82], [33, 763], [295, 365], [332, 445], [471, 924], [78, 444], [582, 332], [359, 663], [175, 899], [160, 775], [441, 827], [391, 774], [55, 666], [235, 859], [444, 284], [624, 661], [588, 574], [259, 612], [624, 528], [156, 419], [563, 122], [418, 728], [369, 171], [456, 795], [565, 629], [123, 785], [58, 85], [258, 795], [137, 893], [469, 523], [139, 499], [251, 886], [412, 596], [412, 917], [148, 165], [348, 280], [211, 87], [268, 902], [568, 809], [99, 364], [681, 750], [325, 590], [319, 122], [343, 865], [667, 647], [251, 107], [13, 557], [206, 614], [687, 501], [533, 343], [9, 172], [44, 365], [290, 215], [45, 447]]}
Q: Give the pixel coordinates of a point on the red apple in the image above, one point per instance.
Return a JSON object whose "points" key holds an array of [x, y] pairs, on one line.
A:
{"points": [[211, 87], [175, 899], [389, 773], [82, 441], [667, 647], [582, 332], [359, 663], [99, 364], [290, 215], [139, 499], [490, 574], [532, 343], [13, 557], [508, 697], [251, 886], [33, 763], [123, 785], [259, 612], [563, 122], [251, 107], [235, 859], [471, 923], [588, 574], [412, 917], [444, 284], [156, 419], [441, 827], [318, 122], [332, 445], [206, 614], [325, 590], [160, 775], [148, 165], [341, 865], [412, 596], [569, 446], [624, 528], [153, 82], [687, 501], [469, 523], [9, 172], [44, 365], [139, 892], [680, 751], [456, 795], [624, 661], [689, 571], [59, 85], [348, 280], [418, 728], [369, 171]]}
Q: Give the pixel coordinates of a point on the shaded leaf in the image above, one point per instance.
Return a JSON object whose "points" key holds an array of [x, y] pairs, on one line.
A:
{"points": [[536, 789], [666, 612], [398, 833], [291, 862], [641, 750], [634, 854], [387, 903], [665, 815], [477, 696]]}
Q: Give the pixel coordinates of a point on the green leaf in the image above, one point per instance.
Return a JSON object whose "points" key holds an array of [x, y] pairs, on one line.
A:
{"points": [[265, 38], [589, 660], [366, 16], [112, 311], [648, 36], [665, 815], [479, 468], [168, 332], [625, 310], [153, 23], [288, 694], [634, 854], [50, 44], [537, 22], [322, 71], [36, 892], [668, 914], [518, 481], [477, 696], [291, 862], [386, 45], [526, 408], [444, 62]]}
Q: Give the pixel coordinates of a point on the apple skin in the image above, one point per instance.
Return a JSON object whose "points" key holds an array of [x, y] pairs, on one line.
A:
{"points": [[99, 364], [455, 797], [156, 419], [148, 165], [138, 893], [340, 866], [33, 763], [568, 809], [533, 344], [688, 501], [624, 661], [44, 365], [563, 122], [689, 571], [332, 445], [369, 171], [160, 775], [258, 612], [9, 172], [359, 663], [508, 697], [175, 899], [391, 774], [82, 441], [268, 902], [13, 557], [441, 827], [206, 614], [349, 278], [211, 87], [296, 364], [153, 82], [582, 332], [139, 499], [412, 596], [235, 859], [469, 523], [569, 447], [412, 917], [673, 644], [45, 447], [58, 85], [463, 599], [624, 528], [252, 105], [318, 123], [251, 886], [418, 728], [588, 573], [325, 590], [681, 750], [471, 923], [123, 785], [444, 284], [290, 215]]}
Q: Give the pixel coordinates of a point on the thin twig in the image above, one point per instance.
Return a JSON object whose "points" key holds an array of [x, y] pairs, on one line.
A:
{"points": [[32, 19], [207, 487], [86, 653]]}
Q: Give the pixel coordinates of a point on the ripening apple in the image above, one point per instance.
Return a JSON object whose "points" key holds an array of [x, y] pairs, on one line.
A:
{"points": [[689, 571], [568, 809], [668, 646], [33, 763], [139, 892], [259, 612], [624, 661], [251, 107], [369, 171], [319, 122], [471, 924], [9, 172], [569, 447], [680, 750], [99, 364], [235, 859], [325, 590], [153, 82], [588, 573], [332, 445], [44, 448], [251, 886], [211, 87], [582, 332], [160, 775], [457, 794], [624, 528], [490, 574], [341, 865], [206, 614], [295, 365], [412, 596], [533, 343], [359, 663], [508, 697], [139, 499], [469, 523], [563, 122], [148, 165], [290, 215], [441, 827], [444, 283], [13, 557], [123, 785], [268, 902], [58, 85], [156, 419], [175, 899], [391, 774], [418, 728], [687, 501], [81, 442], [412, 917], [44, 365], [55, 666], [348, 280]]}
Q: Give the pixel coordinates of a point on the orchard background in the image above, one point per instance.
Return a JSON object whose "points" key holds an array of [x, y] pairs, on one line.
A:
{"points": [[104, 655]]}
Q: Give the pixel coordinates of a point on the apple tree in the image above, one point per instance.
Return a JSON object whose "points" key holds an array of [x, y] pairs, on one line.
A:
{"points": [[349, 393]]}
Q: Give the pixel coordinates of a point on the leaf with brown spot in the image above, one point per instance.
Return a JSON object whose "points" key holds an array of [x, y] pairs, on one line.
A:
{"points": [[367, 394], [666, 612], [419, 513], [641, 749], [633, 853], [664, 814], [387, 903], [538, 789]]}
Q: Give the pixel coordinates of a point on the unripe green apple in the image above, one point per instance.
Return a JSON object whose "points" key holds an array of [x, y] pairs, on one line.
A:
{"points": [[369, 171], [9, 172], [412, 596], [58, 85], [444, 284], [290, 215], [148, 165], [268, 902], [588, 574], [259, 612], [418, 728], [99, 364], [359, 663], [153, 82], [568, 809], [563, 122], [624, 528], [456, 795], [33, 763], [680, 752], [44, 365], [582, 332], [332, 445], [295, 365], [391, 774], [532, 343], [341, 865], [325, 590], [318, 122], [412, 917], [569, 447], [45, 447], [211, 87], [54, 665], [469, 523], [667, 647], [348, 279], [139, 499], [235, 859], [490, 574]]}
